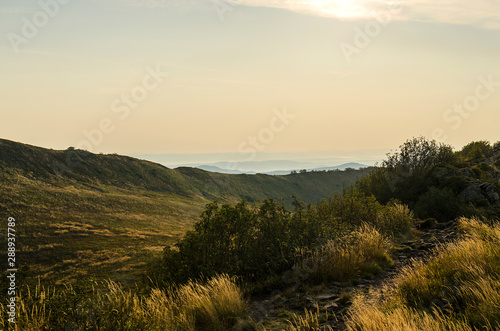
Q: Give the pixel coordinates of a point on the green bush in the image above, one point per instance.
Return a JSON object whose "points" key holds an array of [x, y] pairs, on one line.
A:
{"points": [[257, 243], [406, 174], [238, 240], [440, 204], [477, 150]]}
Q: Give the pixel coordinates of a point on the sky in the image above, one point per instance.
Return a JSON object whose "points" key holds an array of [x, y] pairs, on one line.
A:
{"points": [[248, 77]]}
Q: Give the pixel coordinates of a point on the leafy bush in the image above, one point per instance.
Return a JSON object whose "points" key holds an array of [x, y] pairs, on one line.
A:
{"points": [[441, 204], [477, 150], [428, 177], [239, 240], [405, 174], [260, 242]]}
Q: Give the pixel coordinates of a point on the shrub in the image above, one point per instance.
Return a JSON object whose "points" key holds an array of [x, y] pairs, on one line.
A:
{"points": [[257, 243], [395, 220], [239, 240], [477, 150], [406, 174], [441, 204], [418, 156]]}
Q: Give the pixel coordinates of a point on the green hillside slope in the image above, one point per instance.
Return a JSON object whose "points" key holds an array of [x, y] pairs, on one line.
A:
{"points": [[84, 214]]}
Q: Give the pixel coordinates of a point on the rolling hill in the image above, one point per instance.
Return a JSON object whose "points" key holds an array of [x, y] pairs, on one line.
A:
{"points": [[84, 214]]}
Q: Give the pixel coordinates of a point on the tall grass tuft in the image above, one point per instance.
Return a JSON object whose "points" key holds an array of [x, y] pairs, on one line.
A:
{"points": [[309, 322], [216, 305], [457, 289], [364, 253], [365, 317]]}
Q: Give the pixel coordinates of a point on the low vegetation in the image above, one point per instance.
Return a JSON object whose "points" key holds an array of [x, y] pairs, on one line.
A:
{"points": [[436, 182], [258, 242], [242, 247], [365, 252], [86, 215], [214, 305], [457, 289]]}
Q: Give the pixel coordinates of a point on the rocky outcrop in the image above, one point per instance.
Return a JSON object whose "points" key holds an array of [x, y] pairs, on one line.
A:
{"points": [[478, 192], [489, 192]]}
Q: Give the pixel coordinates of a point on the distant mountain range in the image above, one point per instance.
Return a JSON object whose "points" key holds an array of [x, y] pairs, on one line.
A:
{"points": [[238, 168]]}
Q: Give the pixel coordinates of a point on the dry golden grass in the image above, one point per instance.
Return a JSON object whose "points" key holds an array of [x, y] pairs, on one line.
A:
{"points": [[457, 289], [365, 317], [309, 322], [216, 305], [365, 252]]}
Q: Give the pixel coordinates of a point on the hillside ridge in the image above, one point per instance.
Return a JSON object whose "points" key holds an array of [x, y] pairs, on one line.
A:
{"points": [[73, 166]]}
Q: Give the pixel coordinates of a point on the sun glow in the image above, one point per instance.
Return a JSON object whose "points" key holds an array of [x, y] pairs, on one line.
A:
{"points": [[341, 8], [345, 9]]}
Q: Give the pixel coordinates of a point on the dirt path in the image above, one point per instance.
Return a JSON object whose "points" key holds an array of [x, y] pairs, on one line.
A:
{"points": [[274, 309]]}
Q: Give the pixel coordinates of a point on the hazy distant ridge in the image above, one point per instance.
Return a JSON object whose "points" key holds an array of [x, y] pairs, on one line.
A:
{"points": [[220, 167]]}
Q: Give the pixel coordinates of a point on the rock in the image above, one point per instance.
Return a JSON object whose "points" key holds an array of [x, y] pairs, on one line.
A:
{"points": [[488, 190], [326, 296], [472, 193], [330, 305], [479, 192]]}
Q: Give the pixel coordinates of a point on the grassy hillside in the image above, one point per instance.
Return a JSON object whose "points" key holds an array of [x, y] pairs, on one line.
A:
{"points": [[92, 171], [82, 214], [350, 262]]}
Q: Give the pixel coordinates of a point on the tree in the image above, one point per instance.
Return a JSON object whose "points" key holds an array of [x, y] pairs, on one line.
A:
{"points": [[477, 150], [405, 174]]}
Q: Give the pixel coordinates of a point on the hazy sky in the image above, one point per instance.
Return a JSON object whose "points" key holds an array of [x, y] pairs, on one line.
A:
{"points": [[277, 76]]}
